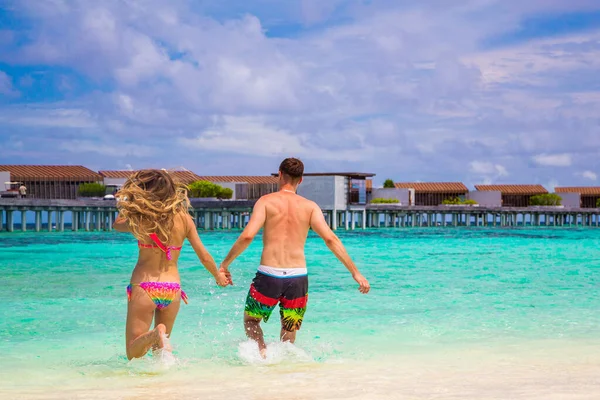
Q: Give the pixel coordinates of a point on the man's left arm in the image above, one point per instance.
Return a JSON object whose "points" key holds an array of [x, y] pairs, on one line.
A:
{"points": [[257, 221]]}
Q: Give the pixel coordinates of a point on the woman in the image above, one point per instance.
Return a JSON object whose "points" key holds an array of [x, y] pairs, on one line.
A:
{"points": [[155, 210]]}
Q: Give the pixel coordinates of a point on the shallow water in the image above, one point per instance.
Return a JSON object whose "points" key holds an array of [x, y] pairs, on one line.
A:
{"points": [[453, 314]]}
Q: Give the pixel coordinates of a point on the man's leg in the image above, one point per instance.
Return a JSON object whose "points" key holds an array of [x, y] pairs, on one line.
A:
{"points": [[291, 320], [287, 336], [254, 332], [292, 307], [260, 303]]}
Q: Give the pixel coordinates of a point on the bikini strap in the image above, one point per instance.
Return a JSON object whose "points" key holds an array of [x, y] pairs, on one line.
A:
{"points": [[160, 245], [156, 240]]}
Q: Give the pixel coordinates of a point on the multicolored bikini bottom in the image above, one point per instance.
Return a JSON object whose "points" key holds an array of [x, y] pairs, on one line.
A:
{"points": [[161, 293]]}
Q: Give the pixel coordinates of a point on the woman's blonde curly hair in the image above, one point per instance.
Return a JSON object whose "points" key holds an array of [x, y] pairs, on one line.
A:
{"points": [[150, 200]]}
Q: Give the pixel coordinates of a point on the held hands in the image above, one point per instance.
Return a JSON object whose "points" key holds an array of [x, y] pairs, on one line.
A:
{"points": [[221, 279], [363, 283], [223, 275]]}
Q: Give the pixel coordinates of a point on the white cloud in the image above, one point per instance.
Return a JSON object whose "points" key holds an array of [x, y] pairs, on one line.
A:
{"points": [[487, 172], [487, 168], [6, 86], [314, 11], [553, 160], [592, 176], [116, 150], [146, 61], [247, 135], [48, 117], [528, 63], [551, 185], [395, 88], [254, 136]]}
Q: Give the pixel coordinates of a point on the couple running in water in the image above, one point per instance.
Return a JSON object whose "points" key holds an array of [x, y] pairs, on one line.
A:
{"points": [[155, 210]]}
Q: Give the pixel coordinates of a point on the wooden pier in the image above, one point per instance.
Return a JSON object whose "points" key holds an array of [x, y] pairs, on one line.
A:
{"points": [[99, 215], [419, 216]]}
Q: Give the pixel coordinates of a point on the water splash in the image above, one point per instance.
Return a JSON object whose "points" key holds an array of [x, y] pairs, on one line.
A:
{"points": [[164, 357], [160, 361], [277, 353]]}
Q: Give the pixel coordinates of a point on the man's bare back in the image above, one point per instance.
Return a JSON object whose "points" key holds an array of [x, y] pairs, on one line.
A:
{"points": [[285, 230]]}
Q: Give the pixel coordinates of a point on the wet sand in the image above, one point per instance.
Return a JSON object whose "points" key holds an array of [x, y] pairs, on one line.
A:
{"points": [[549, 371]]}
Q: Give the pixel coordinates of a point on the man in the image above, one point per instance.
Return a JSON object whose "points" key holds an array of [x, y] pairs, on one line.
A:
{"points": [[23, 190], [282, 276]]}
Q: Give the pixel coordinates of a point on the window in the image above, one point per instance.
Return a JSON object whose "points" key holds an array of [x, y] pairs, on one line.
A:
{"points": [[357, 191]]}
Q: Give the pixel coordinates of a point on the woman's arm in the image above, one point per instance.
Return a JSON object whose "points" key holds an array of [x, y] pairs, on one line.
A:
{"points": [[203, 255], [121, 224]]}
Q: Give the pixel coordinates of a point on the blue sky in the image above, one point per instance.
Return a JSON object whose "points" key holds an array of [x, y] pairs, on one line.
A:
{"points": [[496, 91]]}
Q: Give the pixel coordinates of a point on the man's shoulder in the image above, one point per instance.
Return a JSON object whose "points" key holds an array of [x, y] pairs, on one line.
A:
{"points": [[276, 197], [265, 198], [308, 204]]}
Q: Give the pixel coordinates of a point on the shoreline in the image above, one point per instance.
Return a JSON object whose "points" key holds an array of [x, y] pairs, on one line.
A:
{"points": [[457, 373]]}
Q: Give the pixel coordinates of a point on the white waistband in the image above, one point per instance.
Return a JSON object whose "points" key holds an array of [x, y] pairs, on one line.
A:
{"points": [[282, 272]]}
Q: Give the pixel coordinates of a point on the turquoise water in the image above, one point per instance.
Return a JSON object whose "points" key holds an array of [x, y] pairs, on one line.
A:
{"points": [[435, 293]]}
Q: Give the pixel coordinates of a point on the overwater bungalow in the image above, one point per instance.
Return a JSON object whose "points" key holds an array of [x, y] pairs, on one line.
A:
{"points": [[49, 181], [433, 193], [115, 179], [514, 195], [245, 187], [589, 195]]}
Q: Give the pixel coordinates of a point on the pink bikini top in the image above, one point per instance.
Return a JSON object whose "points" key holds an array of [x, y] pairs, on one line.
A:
{"points": [[159, 245]]}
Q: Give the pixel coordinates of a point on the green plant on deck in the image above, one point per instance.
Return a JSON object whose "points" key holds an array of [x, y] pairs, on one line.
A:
{"points": [[92, 190], [598, 203], [388, 184], [209, 189], [457, 201], [384, 201], [225, 193], [204, 189], [548, 199], [451, 200], [469, 202]]}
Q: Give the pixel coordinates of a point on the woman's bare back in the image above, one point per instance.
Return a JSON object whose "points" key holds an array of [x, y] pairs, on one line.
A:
{"points": [[152, 264]]}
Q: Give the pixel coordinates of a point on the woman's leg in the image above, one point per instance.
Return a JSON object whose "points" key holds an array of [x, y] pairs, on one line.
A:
{"points": [[140, 311], [167, 315]]}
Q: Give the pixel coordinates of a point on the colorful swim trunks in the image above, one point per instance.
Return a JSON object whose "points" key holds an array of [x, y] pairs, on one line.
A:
{"points": [[286, 286]]}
